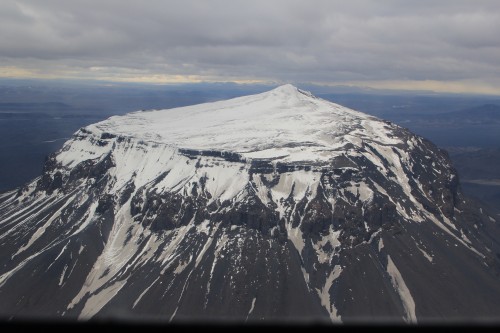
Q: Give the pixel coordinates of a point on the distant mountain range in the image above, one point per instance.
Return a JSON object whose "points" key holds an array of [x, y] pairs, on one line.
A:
{"points": [[488, 114]]}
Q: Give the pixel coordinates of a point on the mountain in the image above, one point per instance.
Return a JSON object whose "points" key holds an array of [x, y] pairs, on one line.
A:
{"points": [[275, 206]]}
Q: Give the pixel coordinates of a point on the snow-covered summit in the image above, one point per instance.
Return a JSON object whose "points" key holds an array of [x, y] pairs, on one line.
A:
{"points": [[285, 123], [272, 206]]}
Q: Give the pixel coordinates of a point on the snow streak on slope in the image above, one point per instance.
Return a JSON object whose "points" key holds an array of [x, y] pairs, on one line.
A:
{"points": [[403, 291]]}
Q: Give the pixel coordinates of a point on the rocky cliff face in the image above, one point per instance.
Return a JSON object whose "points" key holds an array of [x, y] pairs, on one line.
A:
{"points": [[277, 206]]}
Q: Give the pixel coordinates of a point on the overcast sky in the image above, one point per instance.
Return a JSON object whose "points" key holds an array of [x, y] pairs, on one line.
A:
{"points": [[447, 45]]}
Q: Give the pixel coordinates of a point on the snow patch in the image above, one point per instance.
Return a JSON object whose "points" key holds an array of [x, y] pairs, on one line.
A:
{"points": [[324, 294], [144, 292], [97, 301], [380, 244], [332, 238], [40, 231], [251, 307], [61, 278], [404, 293], [426, 255]]}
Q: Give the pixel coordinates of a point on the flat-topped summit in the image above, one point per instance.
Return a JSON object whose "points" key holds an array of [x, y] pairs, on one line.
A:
{"points": [[285, 123]]}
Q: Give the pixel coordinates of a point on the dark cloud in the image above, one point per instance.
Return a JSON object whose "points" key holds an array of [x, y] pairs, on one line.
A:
{"points": [[284, 40]]}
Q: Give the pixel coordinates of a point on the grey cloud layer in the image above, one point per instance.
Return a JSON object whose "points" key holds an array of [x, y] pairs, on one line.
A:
{"points": [[330, 41]]}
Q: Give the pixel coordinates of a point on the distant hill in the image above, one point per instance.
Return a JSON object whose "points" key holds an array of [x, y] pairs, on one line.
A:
{"points": [[479, 173], [30, 107], [481, 164], [486, 114], [480, 114]]}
